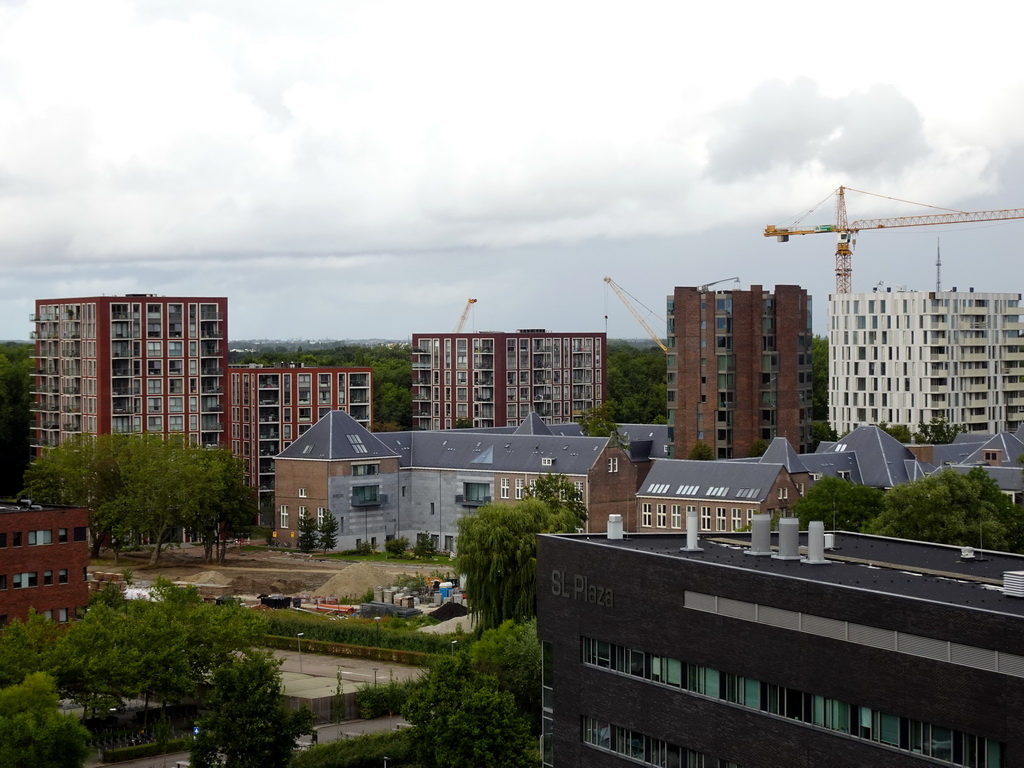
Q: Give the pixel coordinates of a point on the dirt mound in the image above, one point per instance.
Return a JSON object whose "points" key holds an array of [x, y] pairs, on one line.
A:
{"points": [[210, 577], [449, 611], [353, 581], [267, 585]]}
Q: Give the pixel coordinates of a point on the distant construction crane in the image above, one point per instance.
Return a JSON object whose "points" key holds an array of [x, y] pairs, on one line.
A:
{"points": [[465, 314], [846, 233], [704, 288], [629, 305]]}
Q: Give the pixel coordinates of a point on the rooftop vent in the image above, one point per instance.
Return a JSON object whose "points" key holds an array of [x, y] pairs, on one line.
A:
{"points": [[761, 535], [815, 544], [1013, 583], [692, 530], [614, 527], [789, 539]]}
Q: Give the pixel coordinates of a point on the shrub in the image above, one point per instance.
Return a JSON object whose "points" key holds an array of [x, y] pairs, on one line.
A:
{"points": [[364, 548], [396, 547], [380, 700], [424, 546], [361, 752], [120, 754]]}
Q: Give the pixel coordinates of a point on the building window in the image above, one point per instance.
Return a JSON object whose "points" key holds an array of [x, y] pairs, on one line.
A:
{"points": [[662, 515], [16, 536], [645, 515], [783, 494], [3, 541], [302, 513], [720, 518], [38, 538], [284, 516], [479, 493], [613, 464], [705, 518], [504, 488], [47, 578], [302, 493], [362, 470], [24, 580], [677, 516], [519, 488], [3, 582], [80, 533], [62, 615], [320, 514], [62, 576], [737, 518], [365, 494]]}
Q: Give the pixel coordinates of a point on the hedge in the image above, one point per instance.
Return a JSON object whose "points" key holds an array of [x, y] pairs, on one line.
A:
{"points": [[120, 754], [359, 633], [412, 658]]}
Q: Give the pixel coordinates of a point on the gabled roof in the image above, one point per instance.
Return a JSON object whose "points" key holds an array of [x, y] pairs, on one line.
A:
{"points": [[880, 456], [831, 464], [1008, 443], [337, 436], [780, 451], [717, 480], [533, 425], [1008, 479]]}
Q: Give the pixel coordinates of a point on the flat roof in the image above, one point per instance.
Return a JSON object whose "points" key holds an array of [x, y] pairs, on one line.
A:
{"points": [[897, 567]]}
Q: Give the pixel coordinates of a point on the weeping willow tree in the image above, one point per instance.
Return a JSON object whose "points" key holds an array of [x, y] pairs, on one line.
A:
{"points": [[498, 556]]}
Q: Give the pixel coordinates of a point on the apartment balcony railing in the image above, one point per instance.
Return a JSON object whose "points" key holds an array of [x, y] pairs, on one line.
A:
{"points": [[477, 502], [377, 501], [211, 371]]}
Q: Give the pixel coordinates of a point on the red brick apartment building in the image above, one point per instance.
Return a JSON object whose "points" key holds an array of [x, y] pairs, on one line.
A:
{"points": [[44, 552], [496, 379], [130, 364], [272, 406], [739, 368]]}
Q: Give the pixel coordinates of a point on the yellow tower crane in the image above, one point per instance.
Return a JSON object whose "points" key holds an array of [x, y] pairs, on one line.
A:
{"points": [[846, 233], [650, 332], [465, 313]]}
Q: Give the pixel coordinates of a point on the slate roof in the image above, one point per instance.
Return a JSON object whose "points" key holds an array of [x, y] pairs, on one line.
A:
{"points": [[781, 451], [337, 436], [881, 458], [717, 480], [458, 449], [533, 425], [1007, 442], [1009, 479]]}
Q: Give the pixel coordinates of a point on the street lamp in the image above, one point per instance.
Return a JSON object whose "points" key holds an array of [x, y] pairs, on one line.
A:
{"points": [[453, 647], [386, 758], [376, 620], [298, 637], [375, 676]]}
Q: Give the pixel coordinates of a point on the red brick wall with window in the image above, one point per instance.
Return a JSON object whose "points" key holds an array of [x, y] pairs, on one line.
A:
{"points": [[44, 554]]}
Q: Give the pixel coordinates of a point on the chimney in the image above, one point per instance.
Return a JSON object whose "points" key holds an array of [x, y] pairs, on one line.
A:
{"points": [[815, 544], [761, 535], [789, 539], [614, 527], [691, 532]]}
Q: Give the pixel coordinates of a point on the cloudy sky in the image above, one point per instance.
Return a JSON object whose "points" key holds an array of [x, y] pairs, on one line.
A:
{"points": [[360, 169]]}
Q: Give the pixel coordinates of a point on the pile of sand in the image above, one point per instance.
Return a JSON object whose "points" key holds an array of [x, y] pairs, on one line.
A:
{"points": [[278, 585], [353, 581], [215, 578]]}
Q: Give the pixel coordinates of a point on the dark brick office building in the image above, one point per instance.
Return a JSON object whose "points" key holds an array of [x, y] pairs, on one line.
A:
{"points": [[739, 368], [891, 654], [44, 552]]}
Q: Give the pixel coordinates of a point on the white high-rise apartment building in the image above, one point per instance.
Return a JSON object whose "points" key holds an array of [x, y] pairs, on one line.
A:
{"points": [[905, 357]]}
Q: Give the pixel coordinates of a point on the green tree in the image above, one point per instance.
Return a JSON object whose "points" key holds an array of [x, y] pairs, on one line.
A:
{"points": [[636, 382], [938, 432], [757, 448], [226, 503], [701, 451], [27, 646], [819, 378], [900, 431], [33, 733], [396, 547], [498, 555], [598, 421], [511, 654], [327, 532], [15, 414], [462, 720], [309, 535], [562, 496], [86, 471], [840, 505], [948, 508], [247, 725]]}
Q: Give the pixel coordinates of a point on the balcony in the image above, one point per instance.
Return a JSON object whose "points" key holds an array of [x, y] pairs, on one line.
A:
{"points": [[211, 371], [211, 426], [212, 389], [475, 502], [374, 501]]}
